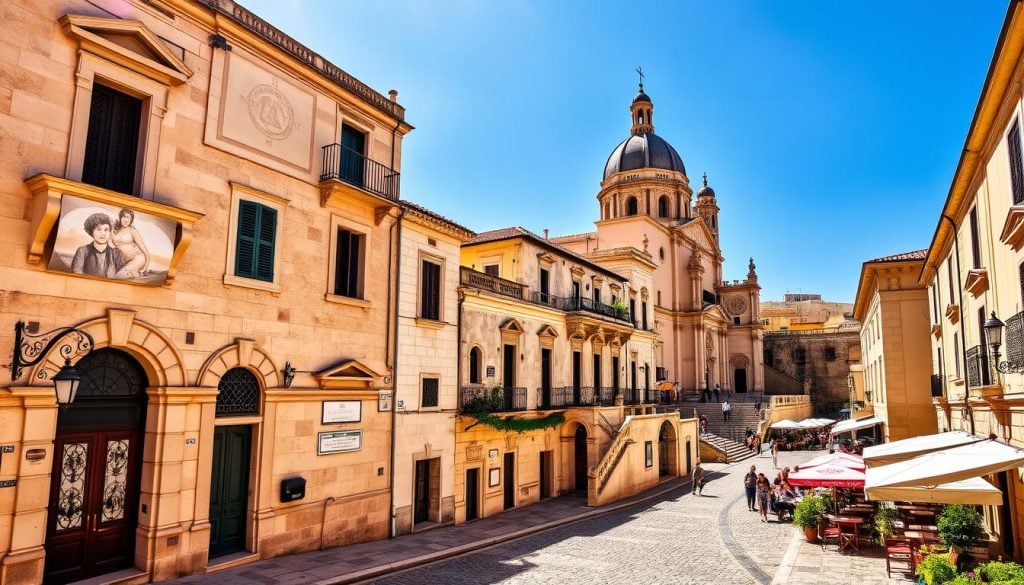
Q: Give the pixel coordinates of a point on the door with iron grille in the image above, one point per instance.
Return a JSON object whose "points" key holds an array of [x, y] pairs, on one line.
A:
{"points": [[94, 485]]}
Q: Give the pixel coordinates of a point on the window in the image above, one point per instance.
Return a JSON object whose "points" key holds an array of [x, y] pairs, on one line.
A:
{"points": [[643, 314], [1020, 271], [663, 212], [956, 354], [975, 240], [112, 142], [632, 311], [428, 397], [474, 365], [545, 285], [430, 290], [597, 295], [597, 372], [631, 206], [491, 269], [935, 299], [799, 356], [1016, 166], [576, 290], [659, 299], [256, 237], [769, 358], [238, 393], [949, 274], [830, 354], [353, 152], [347, 266], [735, 320]]}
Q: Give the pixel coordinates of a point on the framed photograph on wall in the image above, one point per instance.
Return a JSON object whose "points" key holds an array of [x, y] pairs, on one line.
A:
{"points": [[649, 454], [494, 477]]}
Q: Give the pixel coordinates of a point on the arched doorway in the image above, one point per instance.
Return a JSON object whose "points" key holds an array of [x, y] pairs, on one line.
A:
{"points": [[740, 380], [97, 457], [667, 464], [580, 458]]}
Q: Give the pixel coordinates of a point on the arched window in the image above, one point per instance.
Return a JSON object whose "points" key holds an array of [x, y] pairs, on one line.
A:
{"points": [[663, 206], [474, 365], [631, 206], [238, 393]]}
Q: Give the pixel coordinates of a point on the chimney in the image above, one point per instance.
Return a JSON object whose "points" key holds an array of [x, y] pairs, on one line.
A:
{"points": [[393, 94], [545, 233]]}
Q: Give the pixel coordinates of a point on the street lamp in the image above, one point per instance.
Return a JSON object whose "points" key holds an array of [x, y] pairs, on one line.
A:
{"points": [[994, 335], [30, 349]]}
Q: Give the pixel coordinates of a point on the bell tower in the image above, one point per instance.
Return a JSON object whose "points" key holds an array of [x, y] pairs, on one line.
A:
{"points": [[707, 207]]}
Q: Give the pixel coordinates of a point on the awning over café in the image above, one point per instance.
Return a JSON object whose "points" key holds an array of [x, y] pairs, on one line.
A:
{"points": [[815, 423], [785, 424], [902, 450], [828, 475], [946, 466], [974, 490], [847, 426]]}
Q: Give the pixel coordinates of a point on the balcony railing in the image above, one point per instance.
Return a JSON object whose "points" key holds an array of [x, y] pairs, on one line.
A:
{"points": [[1015, 340], [979, 368], [567, 396], [652, 395], [479, 398], [605, 395], [936, 386], [494, 284], [578, 304], [349, 166], [631, 395]]}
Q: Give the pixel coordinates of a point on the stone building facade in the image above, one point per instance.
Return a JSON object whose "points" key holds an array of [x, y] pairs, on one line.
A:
{"points": [[215, 205], [801, 311], [816, 361], [710, 328]]}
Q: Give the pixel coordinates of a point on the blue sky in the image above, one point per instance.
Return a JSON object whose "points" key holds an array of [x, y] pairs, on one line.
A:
{"points": [[829, 130]]}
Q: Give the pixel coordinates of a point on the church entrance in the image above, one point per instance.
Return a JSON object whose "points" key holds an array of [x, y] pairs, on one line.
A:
{"points": [[94, 486], [740, 380]]}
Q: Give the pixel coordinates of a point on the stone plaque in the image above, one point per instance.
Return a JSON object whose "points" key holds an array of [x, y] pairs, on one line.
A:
{"points": [[341, 411], [339, 442]]}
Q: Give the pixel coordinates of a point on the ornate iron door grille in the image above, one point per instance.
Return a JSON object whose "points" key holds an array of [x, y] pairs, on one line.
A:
{"points": [[239, 393]]}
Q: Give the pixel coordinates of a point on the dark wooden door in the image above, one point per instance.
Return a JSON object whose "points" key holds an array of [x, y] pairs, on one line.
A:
{"points": [[94, 495], [545, 376], [510, 481], [577, 367], [472, 494], [353, 151], [580, 458], [421, 503], [740, 382], [229, 489], [615, 374], [545, 474], [597, 373], [689, 460]]}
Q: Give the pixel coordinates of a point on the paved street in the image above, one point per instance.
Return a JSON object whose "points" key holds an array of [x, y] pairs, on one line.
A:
{"points": [[678, 538]]}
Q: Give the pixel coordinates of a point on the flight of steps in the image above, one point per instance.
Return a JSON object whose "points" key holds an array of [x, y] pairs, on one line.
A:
{"points": [[727, 435]]}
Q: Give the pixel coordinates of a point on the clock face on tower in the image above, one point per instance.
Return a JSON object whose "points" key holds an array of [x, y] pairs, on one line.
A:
{"points": [[735, 305]]}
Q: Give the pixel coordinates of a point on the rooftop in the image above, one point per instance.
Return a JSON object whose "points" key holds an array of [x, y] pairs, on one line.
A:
{"points": [[903, 257], [521, 232], [437, 217]]}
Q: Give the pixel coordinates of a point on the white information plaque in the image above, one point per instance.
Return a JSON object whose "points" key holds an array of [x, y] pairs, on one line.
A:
{"points": [[341, 411], [339, 442]]}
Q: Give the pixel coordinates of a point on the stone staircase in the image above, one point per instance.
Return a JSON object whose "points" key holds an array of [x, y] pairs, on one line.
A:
{"points": [[728, 436], [734, 451]]}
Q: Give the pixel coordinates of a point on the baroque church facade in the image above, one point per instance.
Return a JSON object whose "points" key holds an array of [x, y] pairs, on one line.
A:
{"points": [[710, 329]]}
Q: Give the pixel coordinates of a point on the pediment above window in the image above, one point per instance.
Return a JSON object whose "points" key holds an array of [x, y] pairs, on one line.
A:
{"points": [[347, 374], [977, 281], [128, 43], [1013, 228]]}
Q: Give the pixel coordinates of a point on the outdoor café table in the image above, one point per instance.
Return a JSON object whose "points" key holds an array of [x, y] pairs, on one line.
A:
{"points": [[922, 536], [848, 539]]}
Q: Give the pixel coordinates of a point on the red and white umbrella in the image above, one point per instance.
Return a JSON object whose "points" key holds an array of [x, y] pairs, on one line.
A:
{"points": [[843, 459], [828, 475]]}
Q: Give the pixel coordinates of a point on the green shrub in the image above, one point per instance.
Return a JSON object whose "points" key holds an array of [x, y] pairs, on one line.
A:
{"points": [[884, 522], [997, 571], [964, 580], [961, 525], [936, 569], [807, 511]]}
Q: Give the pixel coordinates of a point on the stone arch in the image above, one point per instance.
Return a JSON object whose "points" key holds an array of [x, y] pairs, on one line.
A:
{"points": [[243, 353], [668, 449], [154, 350], [475, 352]]}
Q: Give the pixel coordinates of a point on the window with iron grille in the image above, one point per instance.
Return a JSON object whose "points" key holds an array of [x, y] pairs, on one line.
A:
{"points": [[112, 142], [238, 393], [429, 395], [430, 291], [1016, 165], [254, 248]]}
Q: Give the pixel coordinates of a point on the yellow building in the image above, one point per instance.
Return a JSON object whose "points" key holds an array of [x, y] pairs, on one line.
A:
{"points": [[557, 382], [895, 345], [973, 271], [213, 207], [803, 312], [710, 328]]}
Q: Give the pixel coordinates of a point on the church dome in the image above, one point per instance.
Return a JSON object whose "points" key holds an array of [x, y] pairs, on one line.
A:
{"points": [[645, 150], [641, 97]]}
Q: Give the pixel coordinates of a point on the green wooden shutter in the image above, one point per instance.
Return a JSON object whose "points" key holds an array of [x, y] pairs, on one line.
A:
{"points": [[254, 249]]}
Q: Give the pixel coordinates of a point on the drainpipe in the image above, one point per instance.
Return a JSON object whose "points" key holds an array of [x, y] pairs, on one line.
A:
{"points": [[963, 331], [392, 532]]}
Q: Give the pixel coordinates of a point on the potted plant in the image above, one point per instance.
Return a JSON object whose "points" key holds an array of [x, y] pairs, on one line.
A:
{"points": [[999, 572], [885, 522], [936, 569], [806, 515], [961, 526]]}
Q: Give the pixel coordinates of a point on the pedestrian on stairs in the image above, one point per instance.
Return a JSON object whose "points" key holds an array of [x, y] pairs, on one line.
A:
{"points": [[726, 411], [703, 425], [718, 389]]}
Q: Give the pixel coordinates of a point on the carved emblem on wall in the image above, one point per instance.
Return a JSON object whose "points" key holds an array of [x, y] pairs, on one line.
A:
{"points": [[736, 305], [271, 112]]}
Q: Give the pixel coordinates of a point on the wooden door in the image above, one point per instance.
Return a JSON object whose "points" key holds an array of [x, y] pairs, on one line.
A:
{"points": [[510, 481], [421, 501], [229, 489], [353, 150], [94, 495], [545, 376], [472, 494], [740, 382], [580, 458], [577, 367], [545, 474]]}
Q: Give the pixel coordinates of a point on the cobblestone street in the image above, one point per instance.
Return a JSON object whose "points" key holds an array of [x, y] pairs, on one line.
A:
{"points": [[679, 538]]}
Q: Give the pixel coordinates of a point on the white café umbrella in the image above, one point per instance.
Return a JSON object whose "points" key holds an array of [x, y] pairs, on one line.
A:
{"points": [[974, 490], [904, 449], [785, 424], [946, 466]]}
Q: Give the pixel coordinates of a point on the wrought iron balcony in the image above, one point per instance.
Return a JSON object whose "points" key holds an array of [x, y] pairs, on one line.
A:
{"points": [[979, 367], [483, 399], [571, 304], [494, 284], [936, 386], [566, 396], [349, 166], [652, 395], [631, 395], [605, 395], [1015, 342]]}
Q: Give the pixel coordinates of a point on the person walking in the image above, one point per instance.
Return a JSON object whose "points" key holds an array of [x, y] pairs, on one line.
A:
{"points": [[763, 487], [718, 389], [757, 444], [750, 486], [698, 479], [775, 454], [726, 411]]}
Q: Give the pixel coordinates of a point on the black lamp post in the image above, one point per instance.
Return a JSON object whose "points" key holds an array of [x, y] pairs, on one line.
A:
{"points": [[30, 349]]}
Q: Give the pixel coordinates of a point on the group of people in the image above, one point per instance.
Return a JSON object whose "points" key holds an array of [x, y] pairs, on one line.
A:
{"points": [[764, 496], [705, 394], [116, 250]]}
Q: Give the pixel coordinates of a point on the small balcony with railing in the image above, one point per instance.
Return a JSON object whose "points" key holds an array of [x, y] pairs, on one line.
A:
{"points": [[494, 284], [488, 399], [631, 395], [565, 397], [346, 172], [980, 370]]}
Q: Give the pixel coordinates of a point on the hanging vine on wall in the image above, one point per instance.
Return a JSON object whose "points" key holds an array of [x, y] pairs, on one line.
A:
{"points": [[517, 424]]}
